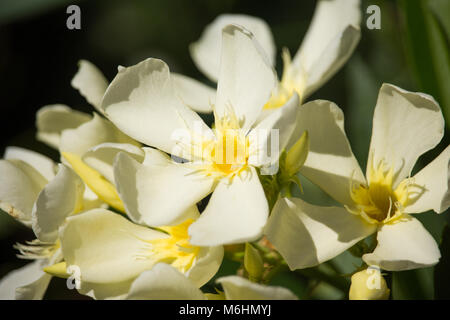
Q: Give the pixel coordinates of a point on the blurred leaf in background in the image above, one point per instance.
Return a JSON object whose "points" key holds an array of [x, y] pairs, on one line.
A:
{"points": [[442, 270], [427, 47], [13, 10]]}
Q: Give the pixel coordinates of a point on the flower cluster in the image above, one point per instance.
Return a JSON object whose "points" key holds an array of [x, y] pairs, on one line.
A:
{"points": [[122, 206]]}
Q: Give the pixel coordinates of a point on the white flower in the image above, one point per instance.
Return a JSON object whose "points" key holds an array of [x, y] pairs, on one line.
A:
{"points": [[36, 196], [165, 282], [329, 42], [142, 102], [111, 252], [89, 144], [405, 125]]}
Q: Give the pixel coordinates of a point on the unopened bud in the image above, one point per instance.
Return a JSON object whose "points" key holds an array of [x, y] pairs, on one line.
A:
{"points": [[369, 284], [253, 263], [296, 155]]}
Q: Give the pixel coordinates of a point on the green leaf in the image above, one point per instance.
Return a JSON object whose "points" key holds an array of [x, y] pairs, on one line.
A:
{"points": [[441, 10], [428, 51], [362, 96], [442, 269], [286, 279], [413, 284]]}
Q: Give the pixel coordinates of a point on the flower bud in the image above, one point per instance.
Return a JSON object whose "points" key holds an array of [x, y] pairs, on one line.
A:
{"points": [[253, 263], [296, 156], [369, 284]]}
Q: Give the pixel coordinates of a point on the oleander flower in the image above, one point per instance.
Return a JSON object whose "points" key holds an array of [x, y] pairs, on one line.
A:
{"points": [[329, 42], [40, 196], [142, 102], [88, 143], [111, 252], [165, 282], [405, 125]]}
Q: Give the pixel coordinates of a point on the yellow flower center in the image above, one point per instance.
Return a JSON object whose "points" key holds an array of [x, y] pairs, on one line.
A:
{"points": [[379, 202], [175, 249], [228, 153]]}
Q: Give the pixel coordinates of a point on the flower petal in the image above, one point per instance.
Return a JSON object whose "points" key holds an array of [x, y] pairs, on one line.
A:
{"points": [[307, 235], [163, 282], [90, 82], [329, 42], [142, 102], [206, 265], [95, 182], [330, 163], [148, 190], [198, 96], [432, 185], [206, 51], [53, 119], [246, 79], [44, 165], [106, 246], [106, 291], [283, 120], [90, 134], [405, 125], [236, 212], [26, 283], [20, 187], [404, 245], [238, 288], [101, 157], [61, 197]]}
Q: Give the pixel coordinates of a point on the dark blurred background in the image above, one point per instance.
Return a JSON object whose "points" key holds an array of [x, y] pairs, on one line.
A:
{"points": [[39, 55]]}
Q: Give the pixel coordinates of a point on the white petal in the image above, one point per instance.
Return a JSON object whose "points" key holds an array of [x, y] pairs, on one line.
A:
{"points": [[44, 165], [19, 189], [404, 245], [405, 125], [238, 288], [431, 186], [90, 134], [159, 195], [106, 246], [329, 42], [163, 282], [91, 83], [330, 163], [246, 79], [283, 120], [26, 283], [206, 265], [198, 96], [142, 102], [106, 291], [53, 119], [61, 197], [206, 51], [101, 157], [236, 212], [307, 235]]}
